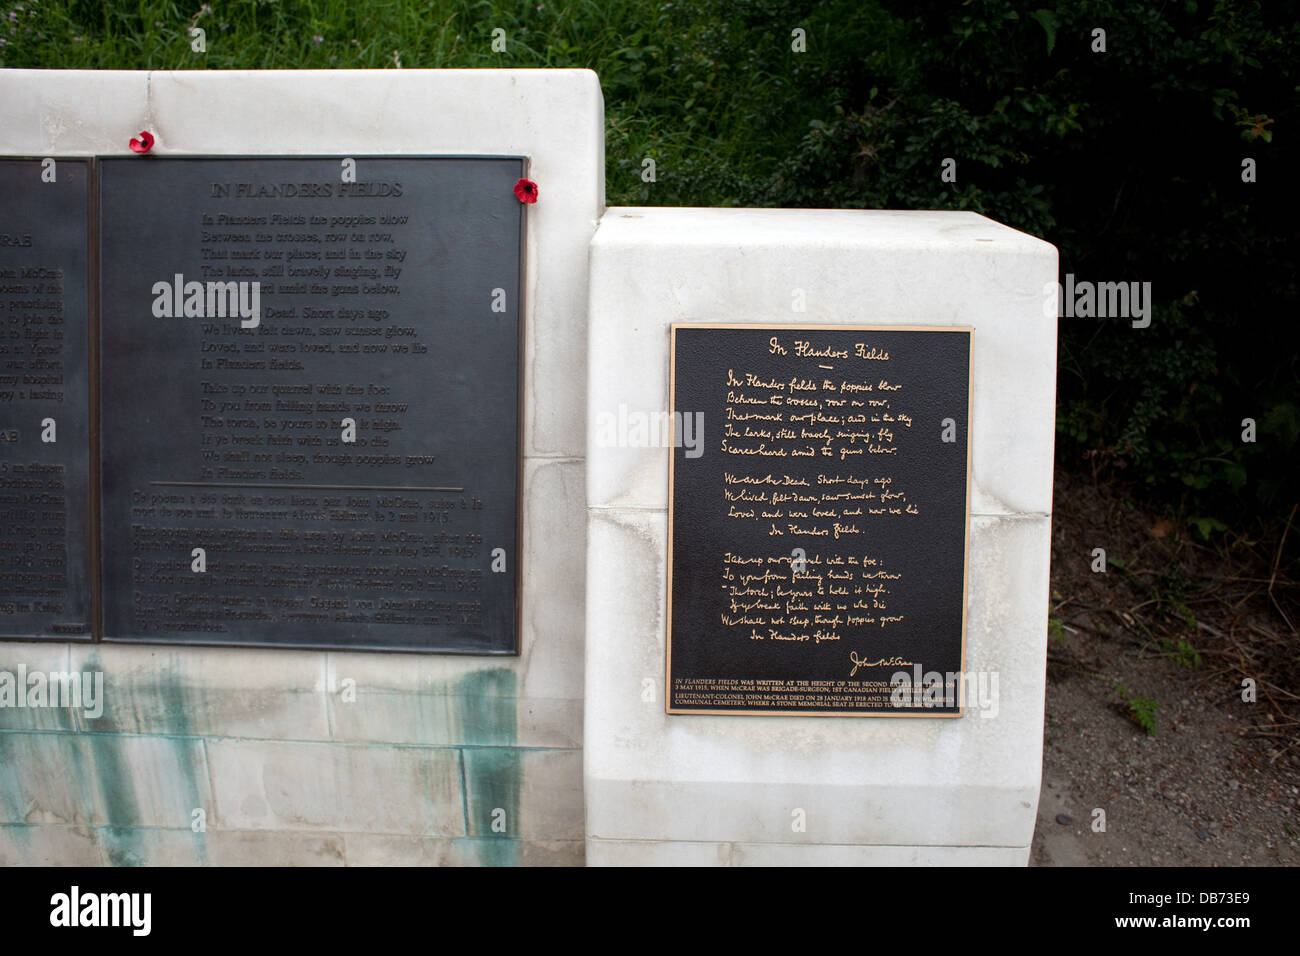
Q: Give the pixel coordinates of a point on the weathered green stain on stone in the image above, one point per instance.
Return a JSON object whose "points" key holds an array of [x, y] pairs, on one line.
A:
{"points": [[478, 711], [32, 762], [493, 775], [111, 774], [489, 704], [493, 786], [114, 779]]}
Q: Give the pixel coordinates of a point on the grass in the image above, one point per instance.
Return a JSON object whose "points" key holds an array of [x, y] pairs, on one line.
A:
{"points": [[1141, 710], [1182, 652], [1056, 629]]}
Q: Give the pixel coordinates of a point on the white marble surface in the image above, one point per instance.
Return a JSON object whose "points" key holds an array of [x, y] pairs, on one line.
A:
{"points": [[632, 853], [675, 787]]}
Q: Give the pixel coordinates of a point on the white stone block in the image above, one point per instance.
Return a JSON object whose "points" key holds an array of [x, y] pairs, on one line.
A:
{"points": [[263, 785], [207, 691], [101, 779], [554, 588], [962, 789], [33, 788], [368, 849], [258, 847], [235, 697], [635, 853], [49, 846]]}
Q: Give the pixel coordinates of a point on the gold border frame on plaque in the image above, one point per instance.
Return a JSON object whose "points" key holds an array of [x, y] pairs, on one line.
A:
{"points": [[965, 587]]}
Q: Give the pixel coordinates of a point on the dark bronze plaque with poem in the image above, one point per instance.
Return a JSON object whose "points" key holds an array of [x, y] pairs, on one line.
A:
{"points": [[817, 532], [310, 401]]}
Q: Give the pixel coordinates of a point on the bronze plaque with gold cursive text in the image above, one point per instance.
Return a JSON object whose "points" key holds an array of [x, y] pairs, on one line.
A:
{"points": [[817, 520]]}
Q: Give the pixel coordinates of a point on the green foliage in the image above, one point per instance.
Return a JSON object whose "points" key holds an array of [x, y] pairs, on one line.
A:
{"points": [[1182, 651], [1056, 629], [1206, 526], [1129, 161], [1141, 710]]}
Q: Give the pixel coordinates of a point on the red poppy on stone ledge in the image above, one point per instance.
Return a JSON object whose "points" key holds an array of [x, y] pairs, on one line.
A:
{"points": [[526, 190], [143, 144]]}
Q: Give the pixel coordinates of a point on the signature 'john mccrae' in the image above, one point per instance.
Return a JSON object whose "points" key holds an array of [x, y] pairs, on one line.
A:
{"points": [[881, 662]]}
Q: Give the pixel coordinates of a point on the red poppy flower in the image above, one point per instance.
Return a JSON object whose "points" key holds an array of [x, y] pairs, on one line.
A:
{"points": [[526, 190], [143, 144]]}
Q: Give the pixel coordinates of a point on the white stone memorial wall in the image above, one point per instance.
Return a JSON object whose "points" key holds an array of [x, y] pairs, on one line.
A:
{"points": [[435, 748], [285, 770]]}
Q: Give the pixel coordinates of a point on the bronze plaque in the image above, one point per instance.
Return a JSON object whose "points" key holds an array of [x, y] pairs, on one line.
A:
{"points": [[817, 520], [44, 392], [309, 402]]}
